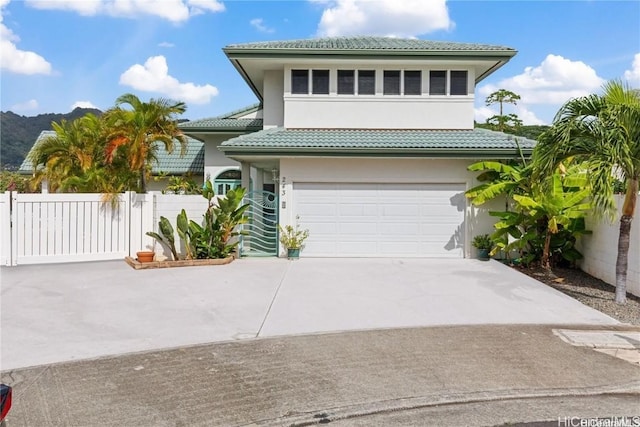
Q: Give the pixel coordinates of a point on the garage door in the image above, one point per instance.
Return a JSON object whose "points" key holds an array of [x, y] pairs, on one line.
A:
{"points": [[417, 220]]}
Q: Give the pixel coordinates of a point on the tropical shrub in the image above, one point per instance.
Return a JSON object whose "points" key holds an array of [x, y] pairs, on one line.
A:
{"points": [[542, 222], [217, 235]]}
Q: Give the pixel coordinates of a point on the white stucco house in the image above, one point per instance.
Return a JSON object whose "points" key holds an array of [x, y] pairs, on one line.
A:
{"points": [[366, 140]]}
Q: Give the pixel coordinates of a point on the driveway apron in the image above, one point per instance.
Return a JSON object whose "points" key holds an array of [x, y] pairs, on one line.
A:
{"points": [[54, 313]]}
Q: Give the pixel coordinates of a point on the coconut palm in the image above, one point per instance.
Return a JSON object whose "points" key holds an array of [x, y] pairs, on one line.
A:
{"points": [[138, 131], [603, 132], [74, 150]]}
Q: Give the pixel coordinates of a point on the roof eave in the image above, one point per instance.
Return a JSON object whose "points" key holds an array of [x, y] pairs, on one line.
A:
{"points": [[234, 131], [246, 78], [471, 153], [239, 53]]}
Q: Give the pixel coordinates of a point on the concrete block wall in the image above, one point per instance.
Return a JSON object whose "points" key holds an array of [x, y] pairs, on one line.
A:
{"points": [[601, 249]]}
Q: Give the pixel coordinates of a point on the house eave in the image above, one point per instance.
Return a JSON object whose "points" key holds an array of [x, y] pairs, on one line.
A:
{"points": [[239, 153]]}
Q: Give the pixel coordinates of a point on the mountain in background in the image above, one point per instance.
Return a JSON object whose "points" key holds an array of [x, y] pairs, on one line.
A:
{"points": [[18, 133]]}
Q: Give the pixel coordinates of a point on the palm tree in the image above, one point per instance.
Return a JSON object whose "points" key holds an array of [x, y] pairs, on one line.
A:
{"points": [[75, 150], [603, 132], [139, 130]]}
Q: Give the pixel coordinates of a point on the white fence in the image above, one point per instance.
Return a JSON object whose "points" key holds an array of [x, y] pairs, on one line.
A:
{"points": [[600, 250], [51, 228]]}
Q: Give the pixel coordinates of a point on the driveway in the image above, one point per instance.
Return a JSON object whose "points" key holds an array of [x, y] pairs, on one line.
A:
{"points": [[61, 312]]}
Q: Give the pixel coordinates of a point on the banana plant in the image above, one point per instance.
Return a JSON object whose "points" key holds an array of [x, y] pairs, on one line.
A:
{"points": [[167, 238], [498, 179], [562, 207]]}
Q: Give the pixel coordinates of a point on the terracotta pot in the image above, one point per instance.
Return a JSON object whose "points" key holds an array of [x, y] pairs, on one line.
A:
{"points": [[145, 256]]}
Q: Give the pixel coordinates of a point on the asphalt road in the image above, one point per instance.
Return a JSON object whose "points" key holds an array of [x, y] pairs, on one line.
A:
{"points": [[462, 375]]}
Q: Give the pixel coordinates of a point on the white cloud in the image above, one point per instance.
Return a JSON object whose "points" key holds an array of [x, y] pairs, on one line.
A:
{"points": [[258, 24], [633, 75], [82, 104], [554, 81], [400, 18], [154, 76], [201, 6], [29, 105], [15, 60], [528, 117], [165, 44], [481, 114], [172, 10]]}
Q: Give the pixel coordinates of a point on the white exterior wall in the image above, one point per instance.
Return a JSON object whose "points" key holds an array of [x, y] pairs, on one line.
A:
{"points": [[319, 170], [376, 111], [215, 162], [273, 106], [390, 112], [600, 251]]}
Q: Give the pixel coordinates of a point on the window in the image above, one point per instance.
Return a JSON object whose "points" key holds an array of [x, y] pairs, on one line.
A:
{"points": [[346, 82], [300, 81], [413, 83], [391, 82], [227, 180], [320, 82], [458, 83], [366, 82], [437, 83]]}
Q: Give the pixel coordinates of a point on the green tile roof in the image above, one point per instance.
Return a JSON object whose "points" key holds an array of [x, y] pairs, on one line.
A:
{"points": [[241, 111], [173, 164], [228, 125], [381, 142], [366, 43], [191, 162], [228, 122]]}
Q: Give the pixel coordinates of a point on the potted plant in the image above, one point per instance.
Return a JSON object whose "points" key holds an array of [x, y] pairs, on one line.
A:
{"points": [[484, 245], [292, 239], [145, 256]]}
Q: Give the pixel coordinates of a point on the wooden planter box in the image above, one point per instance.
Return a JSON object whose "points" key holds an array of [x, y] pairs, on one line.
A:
{"points": [[181, 263]]}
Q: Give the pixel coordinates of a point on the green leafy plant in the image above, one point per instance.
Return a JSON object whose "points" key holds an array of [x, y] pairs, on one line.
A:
{"points": [[216, 236], [167, 238], [482, 241], [293, 237], [182, 185], [542, 219], [182, 223]]}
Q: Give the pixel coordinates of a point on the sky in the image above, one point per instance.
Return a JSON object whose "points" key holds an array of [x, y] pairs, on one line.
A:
{"points": [[56, 55]]}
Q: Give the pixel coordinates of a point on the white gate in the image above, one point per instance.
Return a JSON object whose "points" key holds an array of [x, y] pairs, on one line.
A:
{"points": [[52, 228]]}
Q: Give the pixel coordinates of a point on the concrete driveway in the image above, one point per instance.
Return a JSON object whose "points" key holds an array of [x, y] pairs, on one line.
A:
{"points": [[55, 313]]}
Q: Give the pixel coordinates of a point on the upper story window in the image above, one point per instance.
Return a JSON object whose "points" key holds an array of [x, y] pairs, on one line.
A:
{"points": [[458, 83], [437, 82], [413, 82], [320, 82], [346, 82], [300, 81], [394, 82], [391, 82], [366, 82]]}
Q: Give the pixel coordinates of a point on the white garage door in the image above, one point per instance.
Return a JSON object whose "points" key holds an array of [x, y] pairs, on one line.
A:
{"points": [[417, 220]]}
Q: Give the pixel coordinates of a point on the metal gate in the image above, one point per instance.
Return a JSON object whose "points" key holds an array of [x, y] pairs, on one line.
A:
{"points": [[261, 233]]}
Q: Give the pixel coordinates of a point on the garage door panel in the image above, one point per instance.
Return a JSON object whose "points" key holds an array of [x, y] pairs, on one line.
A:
{"points": [[354, 219], [358, 228]]}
